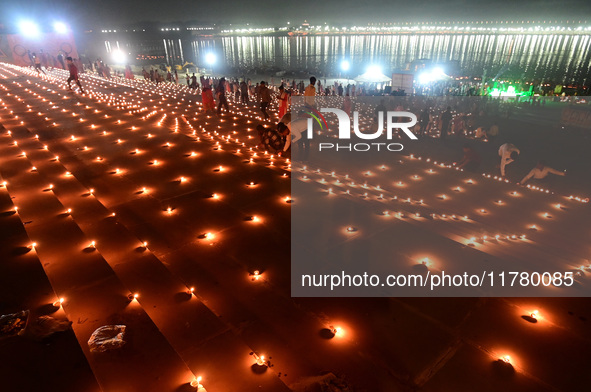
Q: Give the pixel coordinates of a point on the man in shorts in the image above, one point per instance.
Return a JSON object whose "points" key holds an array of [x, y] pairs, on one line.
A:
{"points": [[37, 62], [73, 74]]}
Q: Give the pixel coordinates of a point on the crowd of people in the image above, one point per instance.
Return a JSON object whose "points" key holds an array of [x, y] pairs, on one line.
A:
{"points": [[441, 119], [448, 117]]}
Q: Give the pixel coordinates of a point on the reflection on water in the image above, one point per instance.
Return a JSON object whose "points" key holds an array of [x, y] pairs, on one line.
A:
{"points": [[561, 57], [541, 56]]}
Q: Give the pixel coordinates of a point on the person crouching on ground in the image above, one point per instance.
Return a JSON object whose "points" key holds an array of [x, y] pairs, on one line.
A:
{"points": [[297, 133], [273, 140], [471, 159], [540, 173], [508, 153]]}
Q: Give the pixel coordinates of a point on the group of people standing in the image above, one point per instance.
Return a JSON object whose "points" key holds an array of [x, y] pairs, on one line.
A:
{"points": [[243, 92], [154, 76]]}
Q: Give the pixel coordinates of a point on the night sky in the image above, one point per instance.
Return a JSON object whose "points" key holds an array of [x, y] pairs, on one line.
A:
{"points": [[98, 14]]}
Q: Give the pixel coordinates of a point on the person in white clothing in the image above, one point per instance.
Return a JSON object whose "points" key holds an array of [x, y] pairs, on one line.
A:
{"points": [[540, 172], [296, 128], [508, 153]]}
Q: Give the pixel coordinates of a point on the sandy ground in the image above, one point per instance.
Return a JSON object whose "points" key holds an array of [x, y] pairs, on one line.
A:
{"points": [[388, 344]]}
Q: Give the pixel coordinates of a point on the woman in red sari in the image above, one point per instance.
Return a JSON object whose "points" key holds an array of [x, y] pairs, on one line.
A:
{"points": [[128, 73], [207, 96], [283, 101]]}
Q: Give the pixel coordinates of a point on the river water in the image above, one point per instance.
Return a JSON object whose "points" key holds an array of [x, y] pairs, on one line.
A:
{"points": [[554, 57]]}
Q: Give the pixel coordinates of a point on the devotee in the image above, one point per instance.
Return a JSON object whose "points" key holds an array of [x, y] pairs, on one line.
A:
{"points": [[445, 121], [310, 93], [459, 125], [296, 133], [479, 133], [540, 172], [493, 132], [508, 153], [283, 100], [471, 159], [256, 93], [37, 61], [106, 71], [347, 104], [207, 96], [128, 72], [73, 75], [60, 59], [243, 92], [265, 94], [271, 140], [220, 92]]}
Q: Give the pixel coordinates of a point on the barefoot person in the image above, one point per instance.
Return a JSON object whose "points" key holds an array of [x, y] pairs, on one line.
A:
{"points": [[296, 132], [540, 172], [265, 95], [508, 153], [73, 74], [37, 61], [471, 159], [272, 140]]}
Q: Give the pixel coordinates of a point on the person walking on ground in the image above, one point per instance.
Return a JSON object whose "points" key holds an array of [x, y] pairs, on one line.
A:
{"points": [[60, 59], [445, 121], [310, 93], [508, 153], [265, 94], [347, 104], [220, 92], [257, 92], [243, 92], [283, 101], [73, 75], [37, 61], [128, 72], [236, 90], [207, 96], [540, 172]]}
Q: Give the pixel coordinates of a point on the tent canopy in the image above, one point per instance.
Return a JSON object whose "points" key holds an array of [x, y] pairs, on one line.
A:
{"points": [[372, 77]]}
